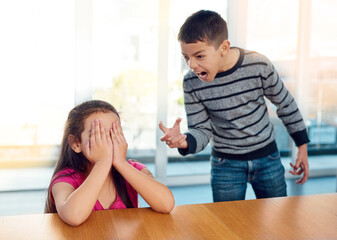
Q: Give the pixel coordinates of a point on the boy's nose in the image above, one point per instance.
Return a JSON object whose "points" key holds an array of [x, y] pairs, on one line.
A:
{"points": [[192, 63]]}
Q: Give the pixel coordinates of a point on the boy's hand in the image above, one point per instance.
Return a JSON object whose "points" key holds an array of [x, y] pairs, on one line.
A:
{"points": [[120, 146], [99, 146], [172, 136], [301, 165]]}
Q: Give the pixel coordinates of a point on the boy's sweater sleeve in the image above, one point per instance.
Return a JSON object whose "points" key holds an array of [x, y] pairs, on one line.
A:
{"points": [[287, 109], [198, 121]]}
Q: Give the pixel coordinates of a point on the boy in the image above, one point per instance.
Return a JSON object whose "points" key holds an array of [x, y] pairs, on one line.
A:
{"points": [[224, 101]]}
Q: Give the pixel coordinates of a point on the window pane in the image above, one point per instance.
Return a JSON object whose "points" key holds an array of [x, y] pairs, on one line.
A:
{"points": [[322, 93], [125, 66], [275, 36], [269, 31], [277, 39], [323, 37], [36, 79]]}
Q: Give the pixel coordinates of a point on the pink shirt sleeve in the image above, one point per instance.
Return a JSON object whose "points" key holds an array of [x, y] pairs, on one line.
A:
{"points": [[67, 175], [136, 164]]}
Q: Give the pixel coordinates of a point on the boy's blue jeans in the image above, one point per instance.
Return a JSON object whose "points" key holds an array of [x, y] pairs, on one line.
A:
{"points": [[229, 178]]}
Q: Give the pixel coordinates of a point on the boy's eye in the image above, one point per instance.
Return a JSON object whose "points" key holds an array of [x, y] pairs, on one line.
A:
{"points": [[200, 56]]}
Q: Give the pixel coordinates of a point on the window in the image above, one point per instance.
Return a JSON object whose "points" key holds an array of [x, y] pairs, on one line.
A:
{"points": [[124, 66], [303, 48], [322, 84], [37, 89]]}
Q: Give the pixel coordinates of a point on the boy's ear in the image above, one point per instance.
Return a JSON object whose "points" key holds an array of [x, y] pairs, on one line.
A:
{"points": [[74, 143], [225, 46]]}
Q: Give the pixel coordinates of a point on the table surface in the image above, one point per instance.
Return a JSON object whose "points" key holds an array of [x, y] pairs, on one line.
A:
{"points": [[300, 217]]}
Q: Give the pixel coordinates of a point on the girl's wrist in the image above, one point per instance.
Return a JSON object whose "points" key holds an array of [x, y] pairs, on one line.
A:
{"points": [[119, 163], [104, 162]]}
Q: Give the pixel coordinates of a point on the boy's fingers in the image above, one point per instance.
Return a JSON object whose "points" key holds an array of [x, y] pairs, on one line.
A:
{"points": [[293, 166], [302, 180], [305, 177], [298, 171], [162, 127], [182, 139], [176, 124], [298, 164], [306, 174], [165, 137]]}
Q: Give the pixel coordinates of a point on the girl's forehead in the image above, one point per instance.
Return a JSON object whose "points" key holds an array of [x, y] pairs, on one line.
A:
{"points": [[104, 117]]}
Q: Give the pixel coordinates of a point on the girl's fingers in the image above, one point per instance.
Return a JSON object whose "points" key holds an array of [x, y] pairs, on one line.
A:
{"points": [[88, 147], [92, 133], [102, 131], [117, 129], [97, 130], [113, 135], [107, 135]]}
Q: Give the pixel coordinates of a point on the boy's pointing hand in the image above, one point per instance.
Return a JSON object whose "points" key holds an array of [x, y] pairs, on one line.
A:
{"points": [[172, 136]]}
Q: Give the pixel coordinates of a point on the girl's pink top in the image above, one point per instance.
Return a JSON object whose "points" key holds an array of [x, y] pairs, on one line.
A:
{"points": [[77, 179]]}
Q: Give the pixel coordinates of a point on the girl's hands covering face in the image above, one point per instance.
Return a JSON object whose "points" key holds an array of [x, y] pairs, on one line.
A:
{"points": [[119, 143], [99, 144]]}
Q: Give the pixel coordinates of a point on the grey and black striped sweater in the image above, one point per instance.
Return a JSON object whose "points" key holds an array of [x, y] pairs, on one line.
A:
{"points": [[231, 113]]}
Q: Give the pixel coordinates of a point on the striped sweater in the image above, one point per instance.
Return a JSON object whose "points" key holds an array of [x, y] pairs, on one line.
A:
{"points": [[231, 113]]}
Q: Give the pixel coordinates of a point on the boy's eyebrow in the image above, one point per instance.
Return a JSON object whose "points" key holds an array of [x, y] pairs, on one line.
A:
{"points": [[196, 53]]}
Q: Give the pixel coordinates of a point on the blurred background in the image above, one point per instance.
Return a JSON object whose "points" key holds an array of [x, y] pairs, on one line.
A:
{"points": [[56, 54]]}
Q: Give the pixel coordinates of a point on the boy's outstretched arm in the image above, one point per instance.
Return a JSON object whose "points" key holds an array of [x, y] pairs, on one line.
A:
{"points": [[172, 136], [301, 165]]}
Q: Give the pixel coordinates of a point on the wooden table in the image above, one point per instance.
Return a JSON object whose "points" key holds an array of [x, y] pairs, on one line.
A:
{"points": [[301, 217]]}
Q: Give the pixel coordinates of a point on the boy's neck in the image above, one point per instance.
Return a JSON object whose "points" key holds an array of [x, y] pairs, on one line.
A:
{"points": [[230, 59]]}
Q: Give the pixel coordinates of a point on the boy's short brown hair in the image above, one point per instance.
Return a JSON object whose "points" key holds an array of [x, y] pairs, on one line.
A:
{"points": [[204, 25]]}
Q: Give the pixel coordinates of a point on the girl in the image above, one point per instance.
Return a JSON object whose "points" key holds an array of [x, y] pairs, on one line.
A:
{"points": [[92, 172]]}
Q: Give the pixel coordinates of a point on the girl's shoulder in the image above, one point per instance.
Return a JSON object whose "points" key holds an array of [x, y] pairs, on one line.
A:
{"points": [[136, 164], [65, 171], [70, 176]]}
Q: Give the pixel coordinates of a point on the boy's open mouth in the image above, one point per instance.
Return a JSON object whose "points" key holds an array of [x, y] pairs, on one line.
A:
{"points": [[202, 75]]}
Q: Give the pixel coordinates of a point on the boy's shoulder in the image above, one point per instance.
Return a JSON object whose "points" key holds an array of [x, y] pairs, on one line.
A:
{"points": [[251, 56]]}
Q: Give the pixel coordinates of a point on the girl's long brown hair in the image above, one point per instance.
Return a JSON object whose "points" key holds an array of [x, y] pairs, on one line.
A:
{"points": [[77, 161]]}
